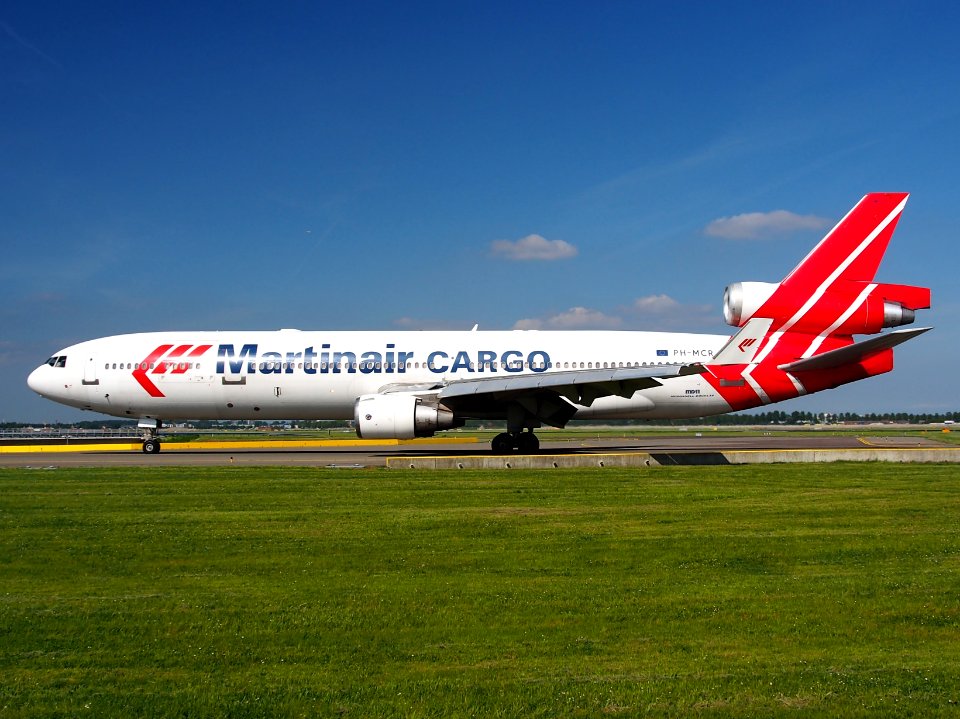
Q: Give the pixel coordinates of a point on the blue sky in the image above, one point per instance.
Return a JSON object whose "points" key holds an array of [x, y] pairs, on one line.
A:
{"points": [[355, 165]]}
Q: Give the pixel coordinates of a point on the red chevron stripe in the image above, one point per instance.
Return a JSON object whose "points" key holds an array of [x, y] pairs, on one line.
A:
{"points": [[140, 374], [163, 366], [196, 352]]}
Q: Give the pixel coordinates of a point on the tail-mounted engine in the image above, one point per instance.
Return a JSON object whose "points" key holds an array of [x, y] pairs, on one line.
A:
{"points": [[400, 416], [847, 308]]}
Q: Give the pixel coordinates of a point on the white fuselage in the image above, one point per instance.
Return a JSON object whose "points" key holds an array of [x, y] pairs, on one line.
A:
{"points": [[293, 374]]}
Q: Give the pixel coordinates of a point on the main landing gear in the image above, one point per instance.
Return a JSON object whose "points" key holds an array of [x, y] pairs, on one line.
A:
{"points": [[519, 437], [522, 442], [151, 431]]}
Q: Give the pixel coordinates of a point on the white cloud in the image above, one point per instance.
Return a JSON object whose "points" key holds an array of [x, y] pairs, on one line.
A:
{"points": [[533, 247], [654, 313], [757, 225], [576, 318], [663, 313], [659, 304]]}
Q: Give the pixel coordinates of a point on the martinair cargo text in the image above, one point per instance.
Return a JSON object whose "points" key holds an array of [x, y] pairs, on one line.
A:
{"points": [[795, 337]]}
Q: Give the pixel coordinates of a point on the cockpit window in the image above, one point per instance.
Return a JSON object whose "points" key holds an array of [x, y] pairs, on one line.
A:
{"points": [[60, 361]]}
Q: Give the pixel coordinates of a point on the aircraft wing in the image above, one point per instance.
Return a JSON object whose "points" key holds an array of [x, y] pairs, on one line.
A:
{"points": [[579, 386], [550, 397]]}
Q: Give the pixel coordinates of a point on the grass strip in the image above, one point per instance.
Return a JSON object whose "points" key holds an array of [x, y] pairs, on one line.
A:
{"points": [[818, 590]]}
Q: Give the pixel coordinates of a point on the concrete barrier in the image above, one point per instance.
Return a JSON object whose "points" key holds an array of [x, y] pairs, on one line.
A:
{"points": [[658, 459]]}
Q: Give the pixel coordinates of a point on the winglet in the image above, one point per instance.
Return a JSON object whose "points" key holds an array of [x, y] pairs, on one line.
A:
{"points": [[743, 346]]}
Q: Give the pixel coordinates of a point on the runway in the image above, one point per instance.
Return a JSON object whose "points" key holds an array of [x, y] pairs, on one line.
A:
{"points": [[582, 452]]}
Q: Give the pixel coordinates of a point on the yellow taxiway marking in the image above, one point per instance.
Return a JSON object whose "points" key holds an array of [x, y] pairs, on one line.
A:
{"points": [[245, 444]]}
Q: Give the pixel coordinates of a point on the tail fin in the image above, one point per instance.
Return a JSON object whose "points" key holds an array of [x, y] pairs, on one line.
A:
{"points": [[854, 248], [831, 292], [806, 322]]}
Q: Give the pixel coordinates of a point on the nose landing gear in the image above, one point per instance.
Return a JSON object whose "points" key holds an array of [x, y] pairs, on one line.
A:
{"points": [[151, 439]]}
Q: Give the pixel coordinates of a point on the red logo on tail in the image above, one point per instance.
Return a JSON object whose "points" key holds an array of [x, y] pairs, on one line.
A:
{"points": [[151, 363], [747, 343]]}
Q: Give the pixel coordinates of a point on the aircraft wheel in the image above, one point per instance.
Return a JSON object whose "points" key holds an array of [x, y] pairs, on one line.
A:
{"points": [[502, 444], [527, 443], [151, 446]]}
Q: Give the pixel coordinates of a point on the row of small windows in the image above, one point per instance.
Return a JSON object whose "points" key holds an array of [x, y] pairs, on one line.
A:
{"points": [[178, 366], [323, 366]]}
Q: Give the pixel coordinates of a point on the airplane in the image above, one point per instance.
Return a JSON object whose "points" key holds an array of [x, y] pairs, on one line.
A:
{"points": [[793, 338]]}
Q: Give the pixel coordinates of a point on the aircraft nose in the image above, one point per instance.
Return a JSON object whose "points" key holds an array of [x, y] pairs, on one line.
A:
{"points": [[40, 381]]}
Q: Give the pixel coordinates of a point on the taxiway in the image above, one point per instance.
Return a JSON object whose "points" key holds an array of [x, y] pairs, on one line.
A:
{"points": [[584, 452]]}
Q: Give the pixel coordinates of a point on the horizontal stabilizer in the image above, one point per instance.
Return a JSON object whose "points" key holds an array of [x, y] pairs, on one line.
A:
{"points": [[855, 352], [743, 346]]}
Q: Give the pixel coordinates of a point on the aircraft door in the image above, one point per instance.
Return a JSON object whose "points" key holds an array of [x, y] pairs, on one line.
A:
{"points": [[90, 372]]}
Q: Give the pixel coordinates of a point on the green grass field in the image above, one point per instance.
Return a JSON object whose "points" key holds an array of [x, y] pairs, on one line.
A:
{"points": [[809, 590]]}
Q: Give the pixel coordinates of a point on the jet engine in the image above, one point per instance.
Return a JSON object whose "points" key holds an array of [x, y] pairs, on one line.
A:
{"points": [[742, 299], [400, 416], [845, 308]]}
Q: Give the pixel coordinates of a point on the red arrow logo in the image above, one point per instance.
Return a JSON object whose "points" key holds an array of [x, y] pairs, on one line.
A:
{"points": [[140, 373], [747, 343]]}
